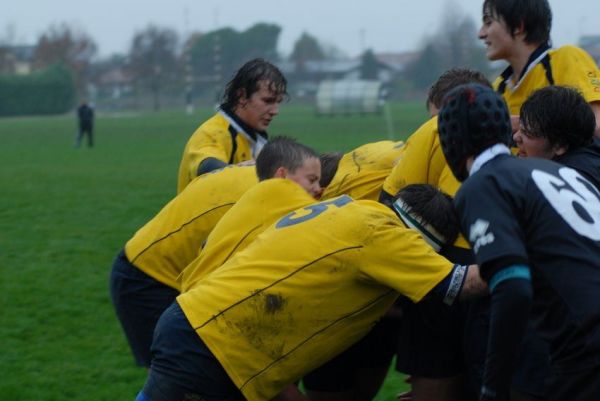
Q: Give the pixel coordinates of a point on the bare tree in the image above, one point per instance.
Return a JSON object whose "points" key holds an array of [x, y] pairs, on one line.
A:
{"points": [[65, 44], [154, 60]]}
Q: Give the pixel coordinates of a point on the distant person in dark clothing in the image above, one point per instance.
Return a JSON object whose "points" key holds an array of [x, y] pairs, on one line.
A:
{"points": [[85, 113]]}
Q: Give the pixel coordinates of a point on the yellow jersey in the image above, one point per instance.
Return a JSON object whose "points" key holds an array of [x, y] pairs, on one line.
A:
{"points": [[256, 210], [422, 162], [362, 171], [174, 237], [223, 137], [565, 66], [308, 287]]}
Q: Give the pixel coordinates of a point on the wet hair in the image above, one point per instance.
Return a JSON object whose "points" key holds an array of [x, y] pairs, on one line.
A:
{"points": [[282, 152], [559, 114], [247, 79], [449, 80], [535, 15], [424, 207], [329, 165]]}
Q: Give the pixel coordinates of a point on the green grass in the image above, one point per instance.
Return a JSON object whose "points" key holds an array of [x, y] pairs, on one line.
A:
{"points": [[66, 212]]}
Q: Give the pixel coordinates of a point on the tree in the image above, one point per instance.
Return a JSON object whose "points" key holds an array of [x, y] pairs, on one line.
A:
{"points": [[217, 55], [306, 48], [153, 60], [455, 44], [69, 46], [369, 66]]}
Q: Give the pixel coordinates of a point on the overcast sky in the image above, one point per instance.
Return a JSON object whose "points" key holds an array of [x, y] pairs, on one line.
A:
{"points": [[351, 25]]}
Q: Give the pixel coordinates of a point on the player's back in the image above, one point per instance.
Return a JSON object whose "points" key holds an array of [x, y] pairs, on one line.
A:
{"points": [[546, 215], [256, 210], [174, 237]]}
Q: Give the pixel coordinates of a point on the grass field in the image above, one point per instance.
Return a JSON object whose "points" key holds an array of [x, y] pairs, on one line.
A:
{"points": [[66, 212]]}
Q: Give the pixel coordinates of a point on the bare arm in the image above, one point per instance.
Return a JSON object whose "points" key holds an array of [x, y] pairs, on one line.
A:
{"points": [[596, 109], [474, 285]]}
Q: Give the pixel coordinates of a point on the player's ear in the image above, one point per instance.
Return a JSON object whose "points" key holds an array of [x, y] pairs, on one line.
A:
{"points": [[560, 150], [520, 30], [242, 98], [281, 172]]}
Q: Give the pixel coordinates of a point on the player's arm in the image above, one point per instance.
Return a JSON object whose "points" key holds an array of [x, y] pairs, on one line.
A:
{"points": [[463, 282], [596, 109], [208, 151], [511, 296]]}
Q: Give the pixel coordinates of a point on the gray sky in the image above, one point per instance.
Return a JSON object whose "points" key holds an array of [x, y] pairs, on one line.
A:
{"points": [[351, 25]]}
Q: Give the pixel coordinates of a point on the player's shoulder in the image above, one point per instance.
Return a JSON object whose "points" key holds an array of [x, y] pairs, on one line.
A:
{"points": [[569, 54]]}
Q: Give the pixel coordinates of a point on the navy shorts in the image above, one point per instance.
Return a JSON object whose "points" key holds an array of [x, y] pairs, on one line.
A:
{"points": [[139, 301], [183, 368], [376, 349], [429, 344], [581, 385]]}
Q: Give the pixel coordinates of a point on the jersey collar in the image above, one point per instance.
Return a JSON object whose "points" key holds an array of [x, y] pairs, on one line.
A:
{"points": [[534, 59], [257, 139], [487, 155]]}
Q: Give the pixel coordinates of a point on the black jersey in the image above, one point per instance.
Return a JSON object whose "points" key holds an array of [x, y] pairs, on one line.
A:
{"points": [[547, 216], [586, 160]]}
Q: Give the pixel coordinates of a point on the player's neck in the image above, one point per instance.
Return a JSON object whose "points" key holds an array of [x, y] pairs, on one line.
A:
{"points": [[519, 57]]}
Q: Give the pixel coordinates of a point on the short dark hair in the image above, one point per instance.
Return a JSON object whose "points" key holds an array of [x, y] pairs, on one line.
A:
{"points": [[282, 152], [430, 206], [449, 80], [535, 15], [560, 114], [329, 165], [246, 82]]}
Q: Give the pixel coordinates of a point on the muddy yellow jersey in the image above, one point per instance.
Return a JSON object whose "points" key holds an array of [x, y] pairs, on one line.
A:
{"points": [[221, 137], [565, 66], [256, 210], [307, 288], [362, 171], [174, 237]]}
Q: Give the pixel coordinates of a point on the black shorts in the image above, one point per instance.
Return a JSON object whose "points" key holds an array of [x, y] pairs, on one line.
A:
{"points": [[376, 349], [139, 301], [430, 339], [582, 385], [183, 368]]}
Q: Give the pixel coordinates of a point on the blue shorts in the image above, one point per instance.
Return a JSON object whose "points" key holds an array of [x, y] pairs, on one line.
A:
{"points": [[139, 301], [183, 368]]}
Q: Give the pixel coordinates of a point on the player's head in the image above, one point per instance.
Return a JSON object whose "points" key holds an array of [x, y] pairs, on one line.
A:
{"points": [[429, 211], [255, 92], [472, 119], [532, 18], [329, 165], [283, 157], [450, 80], [554, 120]]}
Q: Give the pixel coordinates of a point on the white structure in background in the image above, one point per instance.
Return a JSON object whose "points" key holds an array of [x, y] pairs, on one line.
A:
{"points": [[349, 96]]}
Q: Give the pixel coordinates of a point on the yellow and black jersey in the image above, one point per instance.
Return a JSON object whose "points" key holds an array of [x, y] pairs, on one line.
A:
{"points": [[256, 210], [173, 238], [307, 288], [565, 66], [223, 137], [422, 162], [362, 171]]}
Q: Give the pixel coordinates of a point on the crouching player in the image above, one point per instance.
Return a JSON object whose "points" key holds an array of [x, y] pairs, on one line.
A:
{"points": [[143, 281], [307, 288], [534, 226]]}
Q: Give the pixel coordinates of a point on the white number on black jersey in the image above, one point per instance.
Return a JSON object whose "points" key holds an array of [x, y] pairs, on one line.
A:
{"points": [[574, 198]]}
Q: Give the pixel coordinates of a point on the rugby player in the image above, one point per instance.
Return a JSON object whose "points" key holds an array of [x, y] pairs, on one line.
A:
{"points": [[430, 345], [518, 31], [557, 123], [305, 289], [534, 226], [237, 132], [143, 282]]}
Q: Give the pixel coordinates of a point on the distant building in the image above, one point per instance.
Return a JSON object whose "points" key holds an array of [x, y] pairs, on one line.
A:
{"points": [[16, 59], [591, 44]]}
